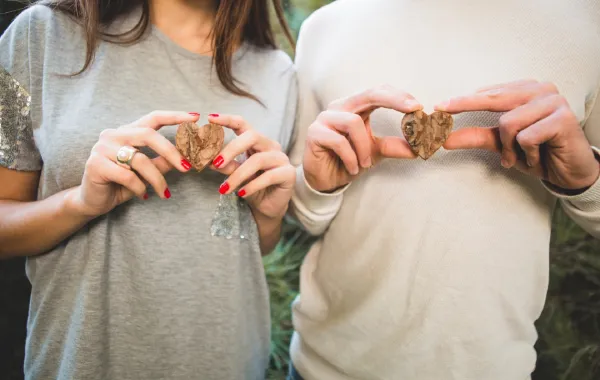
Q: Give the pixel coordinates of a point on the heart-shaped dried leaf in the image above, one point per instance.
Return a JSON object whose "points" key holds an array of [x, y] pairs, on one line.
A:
{"points": [[426, 134], [199, 145]]}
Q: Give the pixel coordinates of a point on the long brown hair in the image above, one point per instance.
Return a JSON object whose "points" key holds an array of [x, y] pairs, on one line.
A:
{"points": [[236, 21]]}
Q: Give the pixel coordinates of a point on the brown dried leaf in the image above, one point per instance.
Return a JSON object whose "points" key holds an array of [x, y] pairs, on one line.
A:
{"points": [[426, 134], [199, 145]]}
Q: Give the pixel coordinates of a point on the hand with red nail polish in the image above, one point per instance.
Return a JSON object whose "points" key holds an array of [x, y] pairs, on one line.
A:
{"points": [[267, 176], [108, 183]]}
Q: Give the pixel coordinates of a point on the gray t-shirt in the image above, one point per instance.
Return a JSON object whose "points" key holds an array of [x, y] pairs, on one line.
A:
{"points": [[156, 289]]}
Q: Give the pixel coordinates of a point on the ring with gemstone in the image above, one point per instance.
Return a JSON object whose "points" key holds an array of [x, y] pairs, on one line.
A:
{"points": [[125, 155]]}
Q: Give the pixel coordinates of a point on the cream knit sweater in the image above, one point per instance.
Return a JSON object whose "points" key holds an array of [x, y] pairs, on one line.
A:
{"points": [[435, 269]]}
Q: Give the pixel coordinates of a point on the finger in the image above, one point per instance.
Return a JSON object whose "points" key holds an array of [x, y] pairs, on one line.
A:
{"points": [[139, 137], [111, 172], [148, 171], [253, 165], [227, 169], [234, 122], [500, 99], [282, 176], [379, 97], [542, 132], [474, 138], [249, 140], [354, 126], [162, 164], [159, 119], [393, 147], [333, 141], [517, 83], [522, 117], [144, 167]]}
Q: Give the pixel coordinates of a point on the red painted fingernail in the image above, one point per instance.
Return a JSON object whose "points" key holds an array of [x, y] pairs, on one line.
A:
{"points": [[218, 161], [223, 188], [186, 164], [146, 196], [241, 193], [194, 113], [213, 115], [167, 193]]}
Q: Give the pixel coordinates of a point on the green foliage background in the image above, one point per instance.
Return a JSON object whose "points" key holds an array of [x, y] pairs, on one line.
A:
{"points": [[569, 328]]}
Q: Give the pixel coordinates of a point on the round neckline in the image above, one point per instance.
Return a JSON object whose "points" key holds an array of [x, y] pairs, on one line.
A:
{"points": [[173, 46]]}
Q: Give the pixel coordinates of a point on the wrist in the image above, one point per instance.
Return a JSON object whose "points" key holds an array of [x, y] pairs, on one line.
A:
{"points": [[73, 207], [583, 185], [267, 222], [315, 186]]}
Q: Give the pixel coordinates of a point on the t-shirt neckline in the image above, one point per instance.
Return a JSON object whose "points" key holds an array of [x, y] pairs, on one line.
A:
{"points": [[173, 46]]}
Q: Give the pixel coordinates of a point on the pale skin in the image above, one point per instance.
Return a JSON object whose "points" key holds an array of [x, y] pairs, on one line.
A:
{"points": [[265, 180], [539, 135]]}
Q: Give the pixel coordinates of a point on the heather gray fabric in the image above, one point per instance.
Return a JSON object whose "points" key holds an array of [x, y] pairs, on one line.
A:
{"points": [[145, 292]]}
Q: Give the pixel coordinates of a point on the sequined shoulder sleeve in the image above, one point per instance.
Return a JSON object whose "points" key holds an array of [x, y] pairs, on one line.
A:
{"points": [[17, 147]]}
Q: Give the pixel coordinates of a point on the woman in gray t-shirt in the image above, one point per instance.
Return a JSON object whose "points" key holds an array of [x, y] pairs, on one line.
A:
{"points": [[144, 268]]}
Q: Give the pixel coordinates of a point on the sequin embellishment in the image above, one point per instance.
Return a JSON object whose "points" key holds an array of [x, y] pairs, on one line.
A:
{"points": [[233, 217], [17, 149]]}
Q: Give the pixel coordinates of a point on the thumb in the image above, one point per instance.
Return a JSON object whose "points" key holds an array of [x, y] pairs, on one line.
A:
{"points": [[392, 147], [474, 138]]}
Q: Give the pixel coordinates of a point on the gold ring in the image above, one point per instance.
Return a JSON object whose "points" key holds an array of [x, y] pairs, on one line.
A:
{"points": [[125, 155]]}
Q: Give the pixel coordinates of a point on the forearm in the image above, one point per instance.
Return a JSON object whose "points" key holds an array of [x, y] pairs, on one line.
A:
{"points": [[32, 228], [269, 233]]}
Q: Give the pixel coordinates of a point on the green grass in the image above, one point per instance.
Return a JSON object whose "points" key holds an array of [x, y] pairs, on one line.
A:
{"points": [[282, 270]]}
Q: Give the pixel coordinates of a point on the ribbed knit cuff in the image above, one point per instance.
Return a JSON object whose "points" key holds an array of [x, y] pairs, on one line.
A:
{"points": [[589, 200], [316, 201]]}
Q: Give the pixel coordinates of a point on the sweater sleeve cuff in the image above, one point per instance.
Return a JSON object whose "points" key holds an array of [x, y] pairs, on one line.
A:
{"points": [[589, 200], [316, 201]]}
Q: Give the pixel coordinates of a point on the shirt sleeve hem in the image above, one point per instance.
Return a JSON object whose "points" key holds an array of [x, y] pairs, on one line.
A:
{"points": [[316, 201], [589, 200]]}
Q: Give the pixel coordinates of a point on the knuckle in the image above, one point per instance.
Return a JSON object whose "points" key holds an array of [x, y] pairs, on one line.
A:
{"points": [[557, 100], [147, 134], [98, 147], [107, 133], [254, 136], [385, 88], [371, 94], [549, 87], [338, 142], [92, 161], [279, 156], [237, 120], [259, 159], [355, 119], [565, 114], [154, 115], [276, 146], [507, 123], [524, 139], [290, 170], [313, 128], [129, 178], [324, 116]]}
